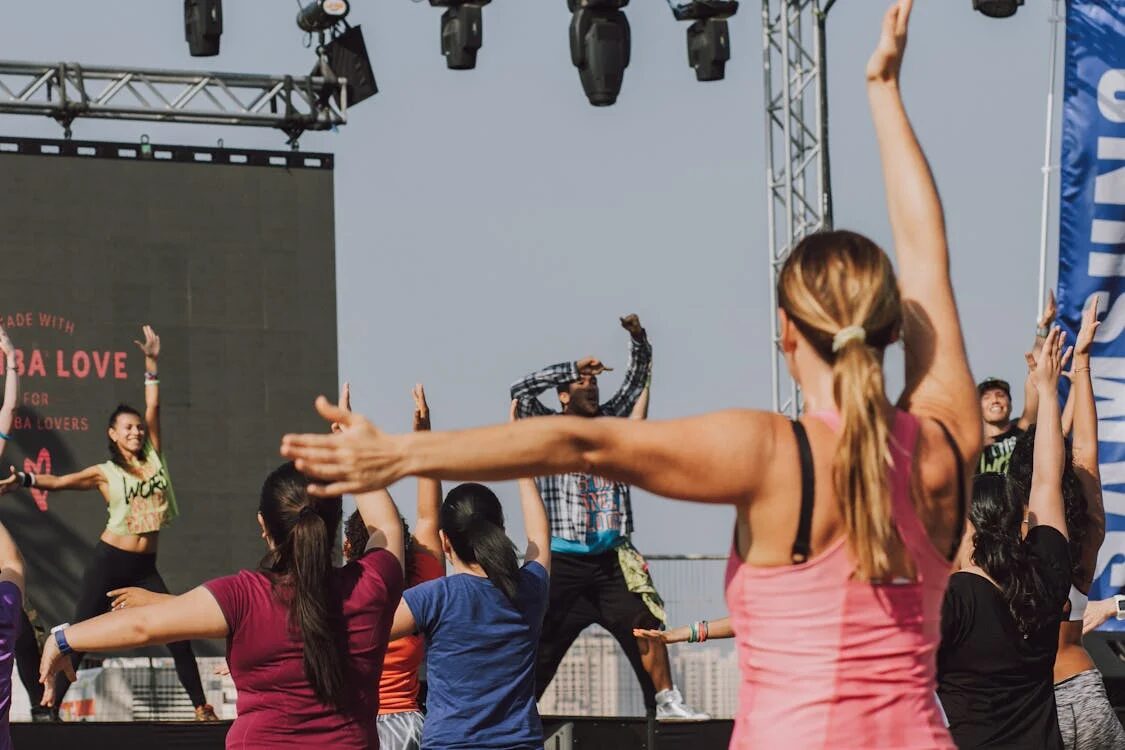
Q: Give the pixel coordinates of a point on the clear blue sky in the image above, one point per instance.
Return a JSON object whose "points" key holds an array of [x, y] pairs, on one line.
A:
{"points": [[490, 222]]}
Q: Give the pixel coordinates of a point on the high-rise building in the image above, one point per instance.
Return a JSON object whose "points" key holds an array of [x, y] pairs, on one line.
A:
{"points": [[708, 677], [587, 682]]}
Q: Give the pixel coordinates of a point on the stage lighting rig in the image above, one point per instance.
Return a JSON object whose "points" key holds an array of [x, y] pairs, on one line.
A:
{"points": [[203, 25], [322, 15], [599, 47], [462, 31], [708, 38], [997, 8]]}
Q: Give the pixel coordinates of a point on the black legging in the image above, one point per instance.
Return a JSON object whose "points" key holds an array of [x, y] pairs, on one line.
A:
{"points": [[27, 659], [112, 568]]}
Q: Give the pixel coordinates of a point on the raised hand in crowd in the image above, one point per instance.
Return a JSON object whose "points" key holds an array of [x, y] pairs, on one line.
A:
{"points": [[694, 633], [632, 324], [11, 388], [421, 409]]}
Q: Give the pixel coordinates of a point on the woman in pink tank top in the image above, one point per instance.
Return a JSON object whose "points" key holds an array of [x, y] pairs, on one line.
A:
{"points": [[845, 521]]}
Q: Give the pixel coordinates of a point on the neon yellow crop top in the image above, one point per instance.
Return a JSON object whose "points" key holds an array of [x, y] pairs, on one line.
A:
{"points": [[136, 505]]}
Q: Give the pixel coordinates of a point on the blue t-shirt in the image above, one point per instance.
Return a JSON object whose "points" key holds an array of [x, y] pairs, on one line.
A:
{"points": [[480, 660], [11, 600]]}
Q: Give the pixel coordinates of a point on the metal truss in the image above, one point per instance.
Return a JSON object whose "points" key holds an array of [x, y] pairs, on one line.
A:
{"points": [[67, 91], [798, 193]]}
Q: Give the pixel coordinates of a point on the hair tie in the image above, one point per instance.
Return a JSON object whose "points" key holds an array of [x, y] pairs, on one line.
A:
{"points": [[846, 335], [306, 510]]}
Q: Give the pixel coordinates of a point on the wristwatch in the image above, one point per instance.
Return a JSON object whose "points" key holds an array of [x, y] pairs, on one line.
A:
{"points": [[1120, 601]]}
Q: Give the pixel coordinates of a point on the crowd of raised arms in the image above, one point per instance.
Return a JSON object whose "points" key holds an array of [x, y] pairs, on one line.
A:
{"points": [[900, 576]]}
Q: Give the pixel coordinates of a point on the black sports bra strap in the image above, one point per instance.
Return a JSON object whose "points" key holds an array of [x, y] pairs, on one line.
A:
{"points": [[801, 546], [962, 505]]}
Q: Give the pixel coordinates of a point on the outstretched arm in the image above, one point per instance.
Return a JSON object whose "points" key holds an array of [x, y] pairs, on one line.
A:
{"points": [[193, 615], [719, 457], [938, 382], [1084, 443], [90, 478], [703, 631], [429, 490], [1045, 502], [640, 366], [11, 388], [150, 347]]}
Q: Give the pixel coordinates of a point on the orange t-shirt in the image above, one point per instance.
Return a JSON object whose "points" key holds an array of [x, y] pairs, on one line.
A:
{"points": [[398, 687]]}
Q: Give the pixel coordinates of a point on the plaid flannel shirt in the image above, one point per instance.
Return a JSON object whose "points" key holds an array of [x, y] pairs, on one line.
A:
{"points": [[568, 496]]}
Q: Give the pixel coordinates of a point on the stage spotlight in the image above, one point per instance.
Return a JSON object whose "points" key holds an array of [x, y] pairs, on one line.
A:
{"points": [[321, 15], [708, 38], [346, 57], [462, 32], [600, 47], [997, 8], [708, 45], [203, 25]]}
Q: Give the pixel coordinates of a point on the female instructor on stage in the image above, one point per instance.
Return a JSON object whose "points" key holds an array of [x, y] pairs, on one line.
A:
{"points": [[138, 494]]}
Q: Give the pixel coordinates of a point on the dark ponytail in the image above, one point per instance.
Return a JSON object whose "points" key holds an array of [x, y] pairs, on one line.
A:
{"points": [[999, 549], [303, 531], [473, 522]]}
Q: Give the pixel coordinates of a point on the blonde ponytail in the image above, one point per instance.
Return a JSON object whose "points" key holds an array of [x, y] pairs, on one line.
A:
{"points": [[839, 290]]}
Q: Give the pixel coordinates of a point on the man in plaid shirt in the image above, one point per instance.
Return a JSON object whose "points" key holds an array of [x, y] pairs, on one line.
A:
{"points": [[597, 577]]}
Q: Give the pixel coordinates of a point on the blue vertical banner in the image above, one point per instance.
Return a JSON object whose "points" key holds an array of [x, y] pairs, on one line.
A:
{"points": [[1092, 242]]}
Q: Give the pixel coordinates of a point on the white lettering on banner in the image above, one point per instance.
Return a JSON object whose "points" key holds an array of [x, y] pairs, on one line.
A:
{"points": [[1112, 473], [1114, 502], [1109, 188], [1111, 95], [1110, 398], [1106, 232]]}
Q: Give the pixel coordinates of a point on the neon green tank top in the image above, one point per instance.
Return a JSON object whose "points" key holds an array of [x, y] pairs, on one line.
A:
{"points": [[140, 505]]}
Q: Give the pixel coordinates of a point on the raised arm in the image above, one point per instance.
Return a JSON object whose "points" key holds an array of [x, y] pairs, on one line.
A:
{"points": [[429, 490], [193, 615], [640, 366], [377, 508], [1031, 395], [527, 390], [1045, 502], [90, 478], [1084, 443], [11, 388], [640, 409], [150, 347], [535, 521], [938, 382]]}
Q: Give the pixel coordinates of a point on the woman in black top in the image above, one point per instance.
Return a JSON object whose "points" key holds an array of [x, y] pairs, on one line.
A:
{"points": [[1000, 617]]}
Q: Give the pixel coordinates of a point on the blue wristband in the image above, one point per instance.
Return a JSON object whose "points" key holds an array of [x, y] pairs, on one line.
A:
{"points": [[5, 437], [60, 639]]}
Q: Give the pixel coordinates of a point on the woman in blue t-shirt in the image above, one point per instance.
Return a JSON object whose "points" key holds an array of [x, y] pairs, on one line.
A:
{"points": [[481, 624]]}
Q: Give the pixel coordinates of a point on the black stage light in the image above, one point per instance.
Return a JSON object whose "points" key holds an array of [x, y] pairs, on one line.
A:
{"points": [[203, 25], [599, 47], [708, 38], [321, 15], [708, 49], [346, 57], [997, 8], [462, 32]]}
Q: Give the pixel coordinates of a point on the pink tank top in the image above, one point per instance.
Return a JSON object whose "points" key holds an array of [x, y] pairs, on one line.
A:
{"points": [[831, 662]]}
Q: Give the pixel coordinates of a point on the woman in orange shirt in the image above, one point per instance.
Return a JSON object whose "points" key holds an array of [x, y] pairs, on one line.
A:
{"points": [[400, 715]]}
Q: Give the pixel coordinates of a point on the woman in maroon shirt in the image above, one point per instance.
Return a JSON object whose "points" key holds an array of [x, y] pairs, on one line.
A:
{"points": [[305, 640]]}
